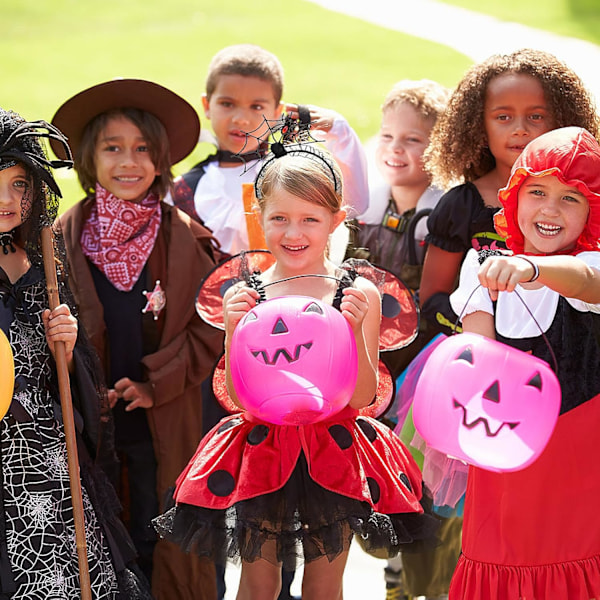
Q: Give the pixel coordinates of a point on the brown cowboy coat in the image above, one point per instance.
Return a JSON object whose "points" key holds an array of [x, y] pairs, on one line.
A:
{"points": [[187, 351]]}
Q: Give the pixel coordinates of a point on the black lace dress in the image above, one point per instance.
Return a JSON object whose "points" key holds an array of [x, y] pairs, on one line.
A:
{"points": [[38, 557]]}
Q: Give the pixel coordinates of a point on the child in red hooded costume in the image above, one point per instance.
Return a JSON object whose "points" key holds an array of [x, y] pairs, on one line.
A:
{"points": [[535, 534]]}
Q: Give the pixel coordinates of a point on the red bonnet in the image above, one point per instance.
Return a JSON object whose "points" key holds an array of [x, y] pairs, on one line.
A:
{"points": [[573, 155]]}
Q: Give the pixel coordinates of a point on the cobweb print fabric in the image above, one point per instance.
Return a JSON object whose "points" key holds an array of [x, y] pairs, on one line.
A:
{"points": [[40, 530]]}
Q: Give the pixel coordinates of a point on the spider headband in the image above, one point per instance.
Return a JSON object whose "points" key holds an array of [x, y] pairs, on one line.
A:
{"points": [[292, 137], [20, 143]]}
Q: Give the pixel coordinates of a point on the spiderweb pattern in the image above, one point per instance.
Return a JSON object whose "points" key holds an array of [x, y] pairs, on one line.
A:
{"points": [[37, 498], [286, 135], [284, 131]]}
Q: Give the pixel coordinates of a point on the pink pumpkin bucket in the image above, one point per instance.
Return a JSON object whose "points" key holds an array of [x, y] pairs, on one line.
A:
{"points": [[293, 361], [486, 403]]}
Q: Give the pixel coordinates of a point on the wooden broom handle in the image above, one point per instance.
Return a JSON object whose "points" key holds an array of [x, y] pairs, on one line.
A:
{"points": [[64, 386]]}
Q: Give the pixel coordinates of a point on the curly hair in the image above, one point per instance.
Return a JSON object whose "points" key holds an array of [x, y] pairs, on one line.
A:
{"points": [[428, 98], [458, 149]]}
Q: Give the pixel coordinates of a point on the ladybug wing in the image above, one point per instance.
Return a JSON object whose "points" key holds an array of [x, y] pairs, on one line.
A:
{"points": [[399, 314], [361, 458], [219, 386], [209, 299], [386, 390], [223, 470], [399, 310]]}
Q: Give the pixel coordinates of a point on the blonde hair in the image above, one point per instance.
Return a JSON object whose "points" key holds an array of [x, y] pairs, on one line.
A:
{"points": [[427, 97], [307, 175], [247, 60]]}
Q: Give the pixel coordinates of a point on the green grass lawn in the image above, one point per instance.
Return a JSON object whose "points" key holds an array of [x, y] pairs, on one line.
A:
{"points": [[52, 50], [574, 18]]}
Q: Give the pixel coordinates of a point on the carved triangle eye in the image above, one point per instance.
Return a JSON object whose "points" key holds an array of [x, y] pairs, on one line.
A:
{"points": [[313, 307], [493, 392], [251, 316], [466, 354], [536, 381], [280, 327]]}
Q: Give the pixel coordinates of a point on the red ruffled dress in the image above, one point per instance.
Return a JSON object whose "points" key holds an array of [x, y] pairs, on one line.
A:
{"points": [[258, 490], [534, 534]]}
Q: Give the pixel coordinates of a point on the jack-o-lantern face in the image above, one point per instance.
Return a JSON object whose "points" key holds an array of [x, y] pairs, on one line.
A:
{"points": [[486, 403], [293, 361]]}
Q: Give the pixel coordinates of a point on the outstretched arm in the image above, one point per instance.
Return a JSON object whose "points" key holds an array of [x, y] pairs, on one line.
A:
{"points": [[570, 276]]}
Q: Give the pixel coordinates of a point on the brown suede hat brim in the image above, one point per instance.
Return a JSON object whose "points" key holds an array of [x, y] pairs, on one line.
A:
{"points": [[179, 118]]}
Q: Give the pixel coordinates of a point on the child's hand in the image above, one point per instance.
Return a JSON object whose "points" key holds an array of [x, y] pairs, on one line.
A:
{"points": [[354, 307], [139, 395], [113, 398], [320, 118], [503, 273], [61, 326], [236, 304]]}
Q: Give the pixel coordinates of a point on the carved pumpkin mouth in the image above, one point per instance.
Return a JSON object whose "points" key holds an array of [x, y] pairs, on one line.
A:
{"points": [[470, 421], [291, 357]]}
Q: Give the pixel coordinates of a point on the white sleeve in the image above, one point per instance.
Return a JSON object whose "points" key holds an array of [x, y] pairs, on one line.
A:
{"points": [[470, 297], [345, 146], [592, 259]]}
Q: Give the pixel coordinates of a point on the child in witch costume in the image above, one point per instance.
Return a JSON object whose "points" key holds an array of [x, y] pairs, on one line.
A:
{"points": [[136, 264], [38, 558], [534, 533], [314, 484]]}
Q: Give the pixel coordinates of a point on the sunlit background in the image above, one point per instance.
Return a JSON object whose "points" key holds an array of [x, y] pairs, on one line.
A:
{"points": [[52, 50]]}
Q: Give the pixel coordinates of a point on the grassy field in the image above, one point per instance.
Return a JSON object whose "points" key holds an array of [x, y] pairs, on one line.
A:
{"points": [[573, 18], [52, 50]]}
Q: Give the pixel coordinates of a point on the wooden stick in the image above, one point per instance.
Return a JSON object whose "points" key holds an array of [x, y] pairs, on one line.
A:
{"points": [[64, 386]]}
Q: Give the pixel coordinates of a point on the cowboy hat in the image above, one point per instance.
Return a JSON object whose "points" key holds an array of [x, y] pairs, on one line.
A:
{"points": [[178, 116]]}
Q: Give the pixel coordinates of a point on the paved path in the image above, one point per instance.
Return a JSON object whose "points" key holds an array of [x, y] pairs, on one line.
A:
{"points": [[473, 34], [363, 578]]}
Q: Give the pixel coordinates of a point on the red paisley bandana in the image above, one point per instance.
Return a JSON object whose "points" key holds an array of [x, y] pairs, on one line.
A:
{"points": [[119, 236]]}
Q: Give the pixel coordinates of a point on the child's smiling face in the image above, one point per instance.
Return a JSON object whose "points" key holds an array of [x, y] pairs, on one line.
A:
{"points": [[14, 183], [550, 214], [403, 137], [122, 159], [297, 231]]}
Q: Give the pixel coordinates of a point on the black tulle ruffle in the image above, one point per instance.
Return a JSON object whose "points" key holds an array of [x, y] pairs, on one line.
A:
{"points": [[301, 521]]}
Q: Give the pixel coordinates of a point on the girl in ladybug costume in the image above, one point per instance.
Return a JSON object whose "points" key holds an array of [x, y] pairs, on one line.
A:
{"points": [[266, 493], [533, 534]]}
